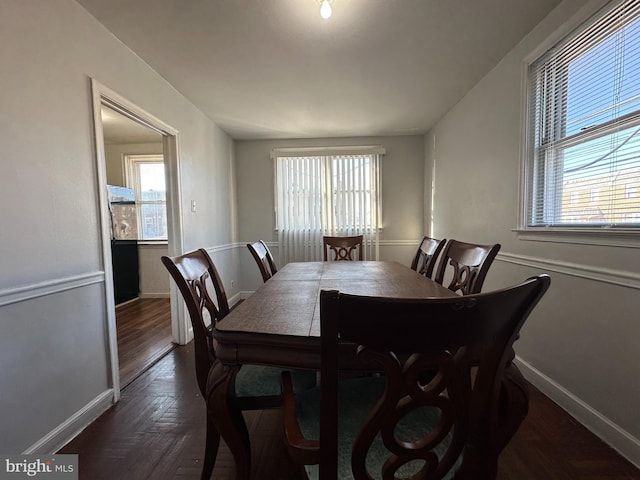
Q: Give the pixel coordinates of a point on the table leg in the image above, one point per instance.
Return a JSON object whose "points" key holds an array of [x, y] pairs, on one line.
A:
{"points": [[223, 411]]}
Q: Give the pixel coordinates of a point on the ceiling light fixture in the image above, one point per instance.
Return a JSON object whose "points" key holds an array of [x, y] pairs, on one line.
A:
{"points": [[325, 9]]}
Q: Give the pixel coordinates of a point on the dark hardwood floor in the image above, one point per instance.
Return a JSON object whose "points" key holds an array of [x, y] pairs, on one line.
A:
{"points": [[144, 335], [156, 432]]}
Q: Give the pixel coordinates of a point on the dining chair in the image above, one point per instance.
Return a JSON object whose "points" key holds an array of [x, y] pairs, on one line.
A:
{"points": [[469, 265], [392, 425], [342, 248], [263, 258], [426, 257], [257, 387]]}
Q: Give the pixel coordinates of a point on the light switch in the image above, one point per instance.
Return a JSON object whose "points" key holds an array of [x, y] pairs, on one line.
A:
{"points": [[193, 206]]}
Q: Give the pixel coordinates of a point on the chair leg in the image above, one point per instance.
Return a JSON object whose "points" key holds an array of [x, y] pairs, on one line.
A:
{"points": [[225, 412], [514, 406], [212, 443]]}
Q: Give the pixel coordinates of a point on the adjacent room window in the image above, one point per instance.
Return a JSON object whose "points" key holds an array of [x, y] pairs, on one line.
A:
{"points": [[145, 174], [583, 145], [326, 192]]}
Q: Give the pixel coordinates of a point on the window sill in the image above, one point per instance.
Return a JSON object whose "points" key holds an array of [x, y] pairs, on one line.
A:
{"points": [[159, 243], [627, 238]]}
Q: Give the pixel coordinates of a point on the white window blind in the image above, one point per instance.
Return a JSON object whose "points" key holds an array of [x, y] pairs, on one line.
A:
{"points": [[583, 154], [317, 195]]}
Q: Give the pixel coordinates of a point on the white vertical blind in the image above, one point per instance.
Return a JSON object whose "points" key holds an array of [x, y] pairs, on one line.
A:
{"points": [[319, 195], [584, 125]]}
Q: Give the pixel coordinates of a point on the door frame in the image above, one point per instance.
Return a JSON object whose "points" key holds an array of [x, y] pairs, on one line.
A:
{"points": [[102, 95]]}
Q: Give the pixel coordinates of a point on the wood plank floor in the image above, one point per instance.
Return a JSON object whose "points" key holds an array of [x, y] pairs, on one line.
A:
{"points": [[157, 432], [144, 335]]}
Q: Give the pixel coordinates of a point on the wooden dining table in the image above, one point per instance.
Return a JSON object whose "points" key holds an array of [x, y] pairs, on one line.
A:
{"points": [[279, 325]]}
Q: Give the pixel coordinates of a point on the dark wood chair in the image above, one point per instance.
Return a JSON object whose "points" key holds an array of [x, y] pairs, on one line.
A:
{"points": [[427, 255], [393, 424], [342, 248], [257, 387], [469, 265], [263, 258]]}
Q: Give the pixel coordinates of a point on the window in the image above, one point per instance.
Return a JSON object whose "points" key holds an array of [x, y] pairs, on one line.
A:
{"points": [[145, 174], [583, 126], [574, 197], [326, 192]]}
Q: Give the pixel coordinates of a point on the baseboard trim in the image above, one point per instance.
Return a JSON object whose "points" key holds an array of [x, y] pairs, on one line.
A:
{"points": [[124, 304], [154, 295], [68, 430], [239, 297], [245, 294], [615, 436]]}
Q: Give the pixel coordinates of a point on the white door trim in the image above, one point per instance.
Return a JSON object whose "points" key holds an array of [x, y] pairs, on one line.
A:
{"points": [[102, 95]]}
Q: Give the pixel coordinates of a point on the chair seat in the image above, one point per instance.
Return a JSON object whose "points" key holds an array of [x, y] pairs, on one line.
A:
{"points": [[265, 381], [257, 387], [356, 398]]}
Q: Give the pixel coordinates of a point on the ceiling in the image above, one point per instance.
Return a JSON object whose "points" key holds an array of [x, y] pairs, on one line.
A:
{"points": [[118, 129], [275, 69]]}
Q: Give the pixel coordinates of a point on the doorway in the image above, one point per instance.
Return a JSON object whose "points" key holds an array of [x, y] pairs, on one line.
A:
{"points": [[144, 322], [137, 205]]}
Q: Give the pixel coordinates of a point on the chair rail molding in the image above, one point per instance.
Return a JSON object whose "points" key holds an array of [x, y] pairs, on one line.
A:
{"points": [[622, 278], [225, 247], [49, 287], [384, 243]]}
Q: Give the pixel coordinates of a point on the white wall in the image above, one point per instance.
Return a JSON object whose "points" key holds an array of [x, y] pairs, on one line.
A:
{"points": [[580, 346], [53, 344], [114, 158], [154, 278], [402, 195]]}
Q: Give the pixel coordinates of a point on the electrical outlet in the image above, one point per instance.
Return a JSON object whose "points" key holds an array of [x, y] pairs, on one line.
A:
{"points": [[193, 206], [233, 283]]}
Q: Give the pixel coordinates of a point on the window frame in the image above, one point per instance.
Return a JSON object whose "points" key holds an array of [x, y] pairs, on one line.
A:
{"points": [[333, 151], [591, 235], [131, 179]]}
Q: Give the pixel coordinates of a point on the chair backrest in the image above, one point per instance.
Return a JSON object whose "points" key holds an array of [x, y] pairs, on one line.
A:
{"points": [[470, 264], [342, 248], [195, 274], [466, 344], [427, 255], [263, 258]]}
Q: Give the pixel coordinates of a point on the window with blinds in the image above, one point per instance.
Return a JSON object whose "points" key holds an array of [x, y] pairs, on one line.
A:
{"points": [[583, 158], [333, 191]]}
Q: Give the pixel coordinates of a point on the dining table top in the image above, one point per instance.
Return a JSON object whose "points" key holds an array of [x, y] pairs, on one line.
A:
{"points": [[289, 302], [279, 326]]}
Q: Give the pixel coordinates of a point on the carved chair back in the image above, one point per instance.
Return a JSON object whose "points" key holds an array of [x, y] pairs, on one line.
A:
{"points": [[342, 248], [469, 265], [467, 340], [257, 386], [263, 258], [427, 256], [195, 275]]}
